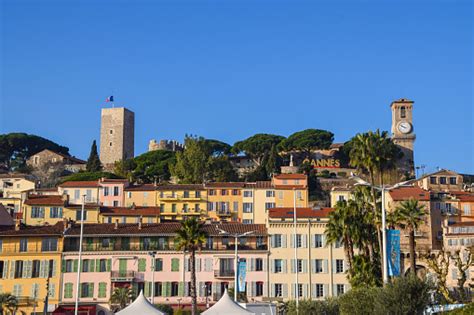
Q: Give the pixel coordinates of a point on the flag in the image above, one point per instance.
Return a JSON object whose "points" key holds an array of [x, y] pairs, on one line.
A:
{"points": [[393, 252], [110, 99], [241, 275]]}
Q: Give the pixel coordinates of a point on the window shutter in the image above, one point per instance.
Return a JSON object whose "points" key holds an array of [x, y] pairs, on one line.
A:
{"points": [[200, 290], [91, 289], [53, 272], [292, 241], [102, 289], [272, 266], [12, 269], [142, 265], [284, 266], [5, 269], [305, 266], [181, 289], [52, 290], [34, 290], [147, 289], [293, 266], [272, 290], [25, 269], [97, 265], [326, 290], [333, 270], [323, 240], [186, 288], [285, 290], [334, 290], [186, 264], [305, 291], [304, 241], [198, 265], [325, 266], [109, 264], [63, 266], [75, 265], [91, 265], [42, 269], [264, 264], [265, 288], [164, 289], [272, 241], [283, 241]]}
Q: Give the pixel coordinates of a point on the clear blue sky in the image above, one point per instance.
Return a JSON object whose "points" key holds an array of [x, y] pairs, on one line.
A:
{"points": [[230, 69]]}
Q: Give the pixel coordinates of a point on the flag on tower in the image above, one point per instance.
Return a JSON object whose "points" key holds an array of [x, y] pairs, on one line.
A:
{"points": [[110, 99]]}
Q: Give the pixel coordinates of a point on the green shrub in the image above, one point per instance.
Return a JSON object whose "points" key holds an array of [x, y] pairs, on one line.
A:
{"points": [[307, 307], [86, 176], [165, 308], [358, 301]]}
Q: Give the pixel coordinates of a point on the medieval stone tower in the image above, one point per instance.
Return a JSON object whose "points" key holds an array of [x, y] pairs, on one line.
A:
{"points": [[117, 132], [403, 132]]}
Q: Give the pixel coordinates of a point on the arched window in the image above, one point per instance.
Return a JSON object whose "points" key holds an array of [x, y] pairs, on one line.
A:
{"points": [[403, 112]]}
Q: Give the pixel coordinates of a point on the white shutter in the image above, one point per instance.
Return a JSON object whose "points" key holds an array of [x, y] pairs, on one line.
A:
{"points": [[24, 272], [53, 272], [283, 266], [285, 290], [272, 290], [325, 266], [292, 241], [334, 290], [272, 241], [201, 288], [272, 265], [34, 291], [186, 288], [186, 264], [283, 241], [293, 266], [313, 290], [333, 270], [304, 241], [5, 269], [52, 290], [326, 290], [264, 264], [42, 268], [305, 266], [12, 269], [305, 291], [198, 265], [265, 288], [323, 240]]}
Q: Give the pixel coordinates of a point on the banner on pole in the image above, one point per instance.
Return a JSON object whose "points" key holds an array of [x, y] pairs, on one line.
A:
{"points": [[241, 276], [393, 252]]}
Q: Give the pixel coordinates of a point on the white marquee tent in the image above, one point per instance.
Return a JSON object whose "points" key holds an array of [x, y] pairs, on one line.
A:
{"points": [[226, 306], [141, 306]]}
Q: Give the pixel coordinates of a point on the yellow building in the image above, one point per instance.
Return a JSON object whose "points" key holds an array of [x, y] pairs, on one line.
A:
{"points": [[13, 191], [340, 194], [129, 214], [289, 186], [77, 189], [140, 195], [177, 202], [41, 209], [225, 201], [257, 198], [30, 256]]}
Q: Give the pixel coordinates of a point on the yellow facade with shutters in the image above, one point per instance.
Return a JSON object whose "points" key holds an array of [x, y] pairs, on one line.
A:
{"points": [[52, 214], [26, 264], [177, 202]]}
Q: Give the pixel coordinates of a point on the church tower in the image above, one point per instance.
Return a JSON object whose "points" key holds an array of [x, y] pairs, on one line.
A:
{"points": [[403, 132]]}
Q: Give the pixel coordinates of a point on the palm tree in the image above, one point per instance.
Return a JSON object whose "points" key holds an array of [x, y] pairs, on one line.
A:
{"points": [[8, 302], [409, 214], [122, 296], [191, 238]]}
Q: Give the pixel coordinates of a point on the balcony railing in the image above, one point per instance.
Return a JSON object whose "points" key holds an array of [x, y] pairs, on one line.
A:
{"points": [[115, 247], [224, 273], [126, 276], [224, 213], [26, 301]]}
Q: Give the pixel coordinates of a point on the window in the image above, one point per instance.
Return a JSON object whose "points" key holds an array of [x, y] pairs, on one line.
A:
{"points": [[129, 194], [467, 209], [260, 241], [85, 265], [78, 215], [270, 193], [158, 264], [197, 207], [269, 205], [403, 112], [299, 241], [87, 290], [111, 131], [18, 269], [35, 268], [258, 288], [158, 288], [223, 192], [68, 267], [23, 245], [318, 265], [37, 212], [318, 240], [186, 194], [77, 194], [341, 198], [259, 264], [339, 266], [277, 240], [248, 207], [433, 180], [49, 244], [278, 266], [225, 240], [55, 212], [125, 243], [116, 190], [103, 265], [339, 289], [51, 268], [173, 208], [236, 206], [106, 191], [319, 292], [248, 193], [452, 181], [247, 221], [442, 180], [197, 193], [299, 266], [110, 144], [88, 195], [175, 264], [212, 192], [235, 192], [174, 288], [300, 290], [278, 290]]}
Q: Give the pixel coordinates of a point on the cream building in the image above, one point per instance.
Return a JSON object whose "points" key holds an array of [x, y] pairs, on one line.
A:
{"points": [[321, 268], [76, 191]]}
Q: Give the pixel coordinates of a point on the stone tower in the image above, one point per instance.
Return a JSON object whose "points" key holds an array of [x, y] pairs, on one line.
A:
{"points": [[403, 132], [117, 132]]}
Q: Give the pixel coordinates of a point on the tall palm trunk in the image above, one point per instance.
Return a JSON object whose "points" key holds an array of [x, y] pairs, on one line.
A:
{"points": [[192, 260], [412, 251]]}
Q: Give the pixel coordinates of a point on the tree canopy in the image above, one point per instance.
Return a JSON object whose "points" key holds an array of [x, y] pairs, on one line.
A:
{"points": [[257, 146], [16, 148], [148, 167], [86, 176], [93, 162], [308, 140]]}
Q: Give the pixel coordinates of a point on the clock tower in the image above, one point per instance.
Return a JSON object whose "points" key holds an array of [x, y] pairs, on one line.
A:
{"points": [[402, 132]]}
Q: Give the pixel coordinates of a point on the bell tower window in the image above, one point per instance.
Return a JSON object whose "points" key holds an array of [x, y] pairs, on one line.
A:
{"points": [[403, 112]]}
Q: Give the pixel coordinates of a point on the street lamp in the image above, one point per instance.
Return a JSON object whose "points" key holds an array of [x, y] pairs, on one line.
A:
{"points": [[80, 256], [236, 236], [383, 189], [295, 241], [153, 262]]}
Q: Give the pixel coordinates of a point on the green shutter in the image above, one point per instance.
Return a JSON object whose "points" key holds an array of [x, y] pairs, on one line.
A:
{"points": [[75, 265], [175, 264], [109, 264], [91, 265], [91, 289], [147, 289], [97, 265], [163, 289], [141, 264], [68, 290], [102, 289], [181, 289], [122, 266], [168, 288], [63, 266]]}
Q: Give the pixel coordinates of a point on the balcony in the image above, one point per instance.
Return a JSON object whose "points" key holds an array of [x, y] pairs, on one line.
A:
{"points": [[191, 211], [224, 273], [115, 247], [126, 276], [26, 301], [224, 213]]}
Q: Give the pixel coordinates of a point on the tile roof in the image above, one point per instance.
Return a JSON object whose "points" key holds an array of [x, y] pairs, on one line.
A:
{"points": [[45, 200], [300, 212], [226, 185], [465, 223], [290, 176], [463, 195], [406, 193], [143, 187], [259, 184], [290, 186], [168, 228], [89, 183], [24, 230], [113, 180], [180, 187], [125, 211]]}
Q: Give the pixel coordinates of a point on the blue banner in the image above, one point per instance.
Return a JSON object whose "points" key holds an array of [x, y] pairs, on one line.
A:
{"points": [[241, 276], [393, 252]]}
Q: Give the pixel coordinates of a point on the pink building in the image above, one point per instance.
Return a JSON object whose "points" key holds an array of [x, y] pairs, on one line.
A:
{"points": [[112, 192], [117, 255]]}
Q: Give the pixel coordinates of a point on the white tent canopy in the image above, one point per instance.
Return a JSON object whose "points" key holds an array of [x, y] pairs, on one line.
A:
{"points": [[141, 306], [226, 306]]}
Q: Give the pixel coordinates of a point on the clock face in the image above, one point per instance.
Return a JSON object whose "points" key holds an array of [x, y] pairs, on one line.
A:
{"points": [[404, 127]]}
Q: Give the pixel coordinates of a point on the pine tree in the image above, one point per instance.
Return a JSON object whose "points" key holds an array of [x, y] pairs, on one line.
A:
{"points": [[93, 162]]}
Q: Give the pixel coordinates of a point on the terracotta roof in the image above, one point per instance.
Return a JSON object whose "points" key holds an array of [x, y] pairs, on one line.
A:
{"points": [[124, 211], [463, 195], [90, 183], [113, 180], [226, 185], [290, 186], [180, 187], [167, 228], [406, 193], [47, 189], [24, 230], [45, 200], [290, 176], [466, 223], [144, 187], [300, 212], [259, 184]]}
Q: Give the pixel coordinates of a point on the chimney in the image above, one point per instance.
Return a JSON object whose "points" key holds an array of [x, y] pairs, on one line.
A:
{"points": [[17, 224], [140, 221], [116, 224], [66, 224]]}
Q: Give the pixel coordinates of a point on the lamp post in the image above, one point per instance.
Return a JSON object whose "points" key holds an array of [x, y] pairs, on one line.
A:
{"points": [[236, 237], [153, 262], [78, 279], [383, 189], [295, 241]]}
